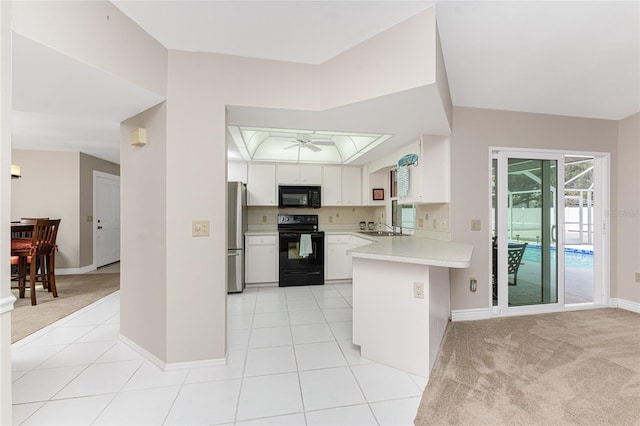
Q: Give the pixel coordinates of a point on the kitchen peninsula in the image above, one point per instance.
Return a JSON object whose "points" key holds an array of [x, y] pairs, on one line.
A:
{"points": [[401, 299]]}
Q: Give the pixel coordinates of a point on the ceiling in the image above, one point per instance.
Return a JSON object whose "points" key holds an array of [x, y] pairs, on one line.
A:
{"points": [[61, 104], [571, 58]]}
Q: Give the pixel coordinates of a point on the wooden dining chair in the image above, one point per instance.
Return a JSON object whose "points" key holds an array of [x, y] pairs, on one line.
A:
{"points": [[27, 251]]}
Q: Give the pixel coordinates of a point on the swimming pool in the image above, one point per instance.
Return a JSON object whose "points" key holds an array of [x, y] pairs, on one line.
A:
{"points": [[573, 258]]}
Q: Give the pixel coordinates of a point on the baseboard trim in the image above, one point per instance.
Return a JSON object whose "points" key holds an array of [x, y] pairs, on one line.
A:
{"points": [[471, 314], [627, 305], [172, 366], [75, 271], [6, 304]]}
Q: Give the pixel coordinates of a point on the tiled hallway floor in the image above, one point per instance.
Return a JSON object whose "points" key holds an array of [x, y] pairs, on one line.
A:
{"points": [[291, 362]]}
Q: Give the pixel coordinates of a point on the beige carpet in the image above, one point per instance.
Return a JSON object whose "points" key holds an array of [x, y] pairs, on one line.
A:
{"points": [[580, 367], [74, 292]]}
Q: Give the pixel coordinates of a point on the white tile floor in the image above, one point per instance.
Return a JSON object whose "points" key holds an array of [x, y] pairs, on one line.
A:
{"points": [[291, 362]]}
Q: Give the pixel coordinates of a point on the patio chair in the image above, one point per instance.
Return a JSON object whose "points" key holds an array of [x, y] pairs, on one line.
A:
{"points": [[515, 252]]}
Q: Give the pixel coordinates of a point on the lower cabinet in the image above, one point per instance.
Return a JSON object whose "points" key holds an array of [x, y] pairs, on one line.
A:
{"points": [[261, 259], [337, 260]]}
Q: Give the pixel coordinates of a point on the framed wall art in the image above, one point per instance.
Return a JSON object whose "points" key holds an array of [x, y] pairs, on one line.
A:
{"points": [[378, 194]]}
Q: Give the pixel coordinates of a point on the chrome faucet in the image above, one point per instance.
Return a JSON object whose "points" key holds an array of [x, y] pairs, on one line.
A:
{"points": [[393, 229]]}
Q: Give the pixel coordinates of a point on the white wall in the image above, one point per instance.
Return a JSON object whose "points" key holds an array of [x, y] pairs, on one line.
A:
{"points": [[6, 298]]}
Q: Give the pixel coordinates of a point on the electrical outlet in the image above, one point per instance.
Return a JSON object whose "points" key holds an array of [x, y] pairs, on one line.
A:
{"points": [[434, 223], [418, 290], [473, 284], [330, 219], [200, 228], [264, 219], [638, 277], [420, 223]]}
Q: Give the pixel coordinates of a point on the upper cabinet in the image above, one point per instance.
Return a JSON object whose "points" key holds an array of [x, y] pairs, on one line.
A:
{"points": [[299, 174], [341, 186], [429, 181], [351, 186], [261, 185]]}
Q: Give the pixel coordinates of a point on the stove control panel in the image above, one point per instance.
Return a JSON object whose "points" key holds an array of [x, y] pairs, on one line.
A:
{"points": [[298, 221]]}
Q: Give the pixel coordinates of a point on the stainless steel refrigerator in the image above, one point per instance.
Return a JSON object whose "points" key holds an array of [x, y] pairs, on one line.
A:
{"points": [[236, 227]]}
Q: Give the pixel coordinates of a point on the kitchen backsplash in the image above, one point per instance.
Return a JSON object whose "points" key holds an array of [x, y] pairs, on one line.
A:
{"points": [[329, 217], [432, 219]]}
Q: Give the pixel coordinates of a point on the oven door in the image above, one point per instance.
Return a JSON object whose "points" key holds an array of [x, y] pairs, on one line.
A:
{"points": [[298, 267]]}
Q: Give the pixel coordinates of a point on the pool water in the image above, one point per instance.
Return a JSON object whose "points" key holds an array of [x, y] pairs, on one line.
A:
{"points": [[573, 258]]}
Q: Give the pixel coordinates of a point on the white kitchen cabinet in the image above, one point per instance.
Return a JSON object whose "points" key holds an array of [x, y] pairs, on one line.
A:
{"points": [[332, 186], [299, 174], [261, 259], [261, 185], [351, 186], [429, 181], [342, 186], [337, 260]]}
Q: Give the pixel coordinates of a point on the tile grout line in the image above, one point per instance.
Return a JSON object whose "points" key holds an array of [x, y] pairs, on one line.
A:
{"points": [[246, 356]]}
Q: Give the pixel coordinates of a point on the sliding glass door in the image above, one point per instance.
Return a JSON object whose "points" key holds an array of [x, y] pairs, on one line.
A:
{"points": [[528, 257]]}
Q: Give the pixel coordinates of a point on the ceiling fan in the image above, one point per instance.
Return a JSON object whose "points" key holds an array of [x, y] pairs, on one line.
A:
{"points": [[304, 140]]}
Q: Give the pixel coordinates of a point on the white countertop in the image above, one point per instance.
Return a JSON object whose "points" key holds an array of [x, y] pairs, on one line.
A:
{"points": [[422, 251]]}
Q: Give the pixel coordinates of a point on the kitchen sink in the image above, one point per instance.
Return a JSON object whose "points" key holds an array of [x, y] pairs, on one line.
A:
{"points": [[380, 233]]}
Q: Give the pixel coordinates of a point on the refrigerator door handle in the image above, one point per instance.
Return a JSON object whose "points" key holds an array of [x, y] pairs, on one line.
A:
{"points": [[237, 253]]}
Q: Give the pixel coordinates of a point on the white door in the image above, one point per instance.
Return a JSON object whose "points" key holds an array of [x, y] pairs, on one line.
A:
{"points": [[106, 219]]}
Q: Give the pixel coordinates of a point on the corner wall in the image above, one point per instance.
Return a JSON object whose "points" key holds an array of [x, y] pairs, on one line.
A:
{"points": [[627, 214], [143, 227]]}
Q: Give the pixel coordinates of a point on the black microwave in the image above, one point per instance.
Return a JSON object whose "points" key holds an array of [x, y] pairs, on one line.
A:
{"points": [[299, 197]]}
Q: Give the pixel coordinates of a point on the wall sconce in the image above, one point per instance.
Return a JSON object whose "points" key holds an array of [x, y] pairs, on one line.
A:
{"points": [[139, 137], [15, 171]]}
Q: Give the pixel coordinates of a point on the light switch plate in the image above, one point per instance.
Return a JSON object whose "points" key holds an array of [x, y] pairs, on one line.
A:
{"points": [[200, 228], [475, 224]]}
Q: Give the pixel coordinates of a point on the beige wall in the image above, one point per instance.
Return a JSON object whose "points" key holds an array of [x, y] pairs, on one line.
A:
{"points": [[627, 213], [96, 33], [88, 164], [143, 283], [199, 87], [401, 58], [60, 185], [50, 187], [475, 130]]}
